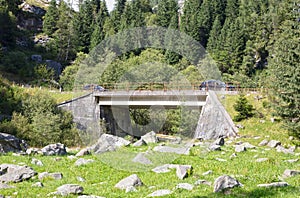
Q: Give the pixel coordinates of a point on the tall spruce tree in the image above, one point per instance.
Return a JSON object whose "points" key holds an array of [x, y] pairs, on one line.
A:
{"points": [[98, 33], [165, 12], [284, 67], [50, 19], [117, 13]]}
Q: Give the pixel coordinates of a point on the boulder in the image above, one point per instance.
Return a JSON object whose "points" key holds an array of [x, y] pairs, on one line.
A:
{"points": [[168, 138], [185, 186], [9, 143], [5, 186], [38, 184], [290, 173], [36, 58], [273, 143], [54, 149], [37, 162], [263, 143], [142, 159], [15, 173], [292, 160], [176, 150], [130, 189], [280, 148], [131, 181], [274, 184], [219, 141], [68, 189], [56, 66], [150, 137], [139, 143], [182, 171], [82, 161], [160, 193], [240, 148], [56, 176], [83, 152], [109, 143], [224, 182]]}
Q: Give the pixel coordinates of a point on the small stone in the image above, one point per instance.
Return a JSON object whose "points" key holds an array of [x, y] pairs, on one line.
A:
{"points": [[83, 152], [274, 184], [89, 196], [185, 186], [56, 176], [291, 138], [72, 157], [240, 148], [273, 143], [292, 160], [215, 148], [262, 159], [132, 180], [160, 193], [224, 182], [256, 137], [80, 179], [263, 143], [37, 162], [207, 172], [220, 159], [233, 155], [247, 145], [38, 184], [161, 169], [201, 181], [290, 173], [82, 161], [68, 189], [32, 151]]}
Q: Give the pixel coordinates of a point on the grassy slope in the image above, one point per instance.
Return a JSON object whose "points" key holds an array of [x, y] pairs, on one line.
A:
{"points": [[101, 178]]}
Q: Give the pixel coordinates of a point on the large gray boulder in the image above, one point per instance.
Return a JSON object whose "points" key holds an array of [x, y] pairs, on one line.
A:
{"points": [[9, 143], [109, 143], [273, 143], [54, 149], [131, 181], [15, 173], [68, 189], [224, 182]]}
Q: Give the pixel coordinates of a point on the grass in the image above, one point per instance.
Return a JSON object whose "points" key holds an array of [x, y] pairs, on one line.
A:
{"points": [[109, 168]]}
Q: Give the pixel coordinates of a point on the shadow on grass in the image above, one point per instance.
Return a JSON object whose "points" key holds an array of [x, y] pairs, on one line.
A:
{"points": [[289, 191]]}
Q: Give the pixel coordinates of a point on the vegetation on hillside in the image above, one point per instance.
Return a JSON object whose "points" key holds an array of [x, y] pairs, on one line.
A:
{"points": [[254, 43]]}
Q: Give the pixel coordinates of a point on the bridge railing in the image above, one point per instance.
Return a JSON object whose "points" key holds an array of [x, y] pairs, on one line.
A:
{"points": [[164, 86]]}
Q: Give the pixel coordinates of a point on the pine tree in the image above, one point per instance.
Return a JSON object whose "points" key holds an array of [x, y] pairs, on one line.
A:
{"points": [[50, 19], [98, 33], [166, 11], [83, 26], [8, 28], [213, 41], [117, 13], [285, 67], [64, 35]]}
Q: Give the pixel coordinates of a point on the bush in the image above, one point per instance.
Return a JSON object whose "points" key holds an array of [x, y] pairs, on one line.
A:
{"points": [[244, 109]]}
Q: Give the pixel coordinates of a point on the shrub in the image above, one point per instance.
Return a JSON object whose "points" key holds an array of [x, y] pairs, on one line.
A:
{"points": [[244, 109]]}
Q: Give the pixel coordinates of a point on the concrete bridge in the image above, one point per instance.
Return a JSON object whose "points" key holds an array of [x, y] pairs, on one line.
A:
{"points": [[113, 107]]}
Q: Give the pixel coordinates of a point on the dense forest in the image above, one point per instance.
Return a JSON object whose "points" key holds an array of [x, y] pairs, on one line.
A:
{"points": [[254, 43]]}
